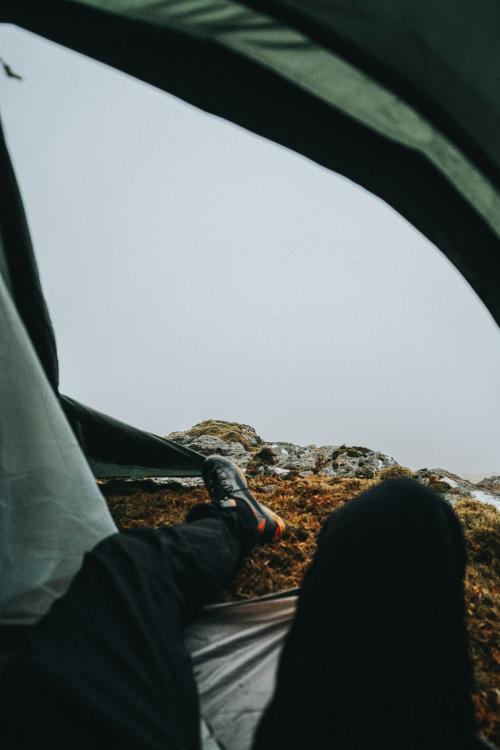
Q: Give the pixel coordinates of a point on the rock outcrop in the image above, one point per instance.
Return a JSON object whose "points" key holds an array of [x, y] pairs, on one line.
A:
{"points": [[242, 444], [452, 486], [236, 441], [490, 483]]}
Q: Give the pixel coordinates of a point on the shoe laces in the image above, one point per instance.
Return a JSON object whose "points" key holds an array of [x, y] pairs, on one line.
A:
{"points": [[223, 480]]}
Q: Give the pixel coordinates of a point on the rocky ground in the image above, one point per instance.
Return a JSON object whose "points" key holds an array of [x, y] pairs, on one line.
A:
{"points": [[241, 443], [304, 484]]}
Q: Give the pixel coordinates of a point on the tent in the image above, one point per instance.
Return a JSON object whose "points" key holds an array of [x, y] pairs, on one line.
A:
{"points": [[401, 97]]}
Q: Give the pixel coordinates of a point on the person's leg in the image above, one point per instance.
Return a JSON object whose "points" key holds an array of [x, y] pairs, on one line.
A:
{"points": [[377, 655], [107, 666]]}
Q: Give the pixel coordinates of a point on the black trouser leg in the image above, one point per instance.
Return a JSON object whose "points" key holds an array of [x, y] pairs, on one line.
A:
{"points": [[107, 666], [377, 654]]}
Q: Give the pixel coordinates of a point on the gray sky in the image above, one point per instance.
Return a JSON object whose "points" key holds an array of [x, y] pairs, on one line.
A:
{"points": [[194, 270]]}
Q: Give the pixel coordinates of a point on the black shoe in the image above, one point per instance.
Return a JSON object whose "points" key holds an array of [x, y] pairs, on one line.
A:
{"points": [[228, 488]]}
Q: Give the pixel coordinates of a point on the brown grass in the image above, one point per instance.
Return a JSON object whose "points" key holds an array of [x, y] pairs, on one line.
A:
{"points": [[306, 503]]}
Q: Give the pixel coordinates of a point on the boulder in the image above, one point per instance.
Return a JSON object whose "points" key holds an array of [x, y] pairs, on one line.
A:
{"points": [[490, 483], [357, 461], [452, 487], [227, 432]]}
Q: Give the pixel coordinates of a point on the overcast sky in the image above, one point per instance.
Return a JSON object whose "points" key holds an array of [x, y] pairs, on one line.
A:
{"points": [[194, 270]]}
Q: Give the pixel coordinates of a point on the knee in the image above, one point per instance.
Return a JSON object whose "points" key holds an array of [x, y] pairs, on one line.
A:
{"points": [[405, 494], [407, 504], [395, 503], [398, 522]]}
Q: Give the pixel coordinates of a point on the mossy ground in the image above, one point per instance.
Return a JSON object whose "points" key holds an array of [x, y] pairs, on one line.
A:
{"points": [[306, 503]]}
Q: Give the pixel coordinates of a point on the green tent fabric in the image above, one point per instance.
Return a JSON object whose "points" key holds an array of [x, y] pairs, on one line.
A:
{"points": [[401, 97], [19, 269], [115, 449]]}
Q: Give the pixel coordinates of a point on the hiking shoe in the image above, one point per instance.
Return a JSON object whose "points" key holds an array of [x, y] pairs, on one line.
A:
{"points": [[228, 488]]}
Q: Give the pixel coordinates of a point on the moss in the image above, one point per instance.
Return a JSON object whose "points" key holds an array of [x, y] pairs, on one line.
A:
{"points": [[481, 525], [391, 472], [230, 432]]}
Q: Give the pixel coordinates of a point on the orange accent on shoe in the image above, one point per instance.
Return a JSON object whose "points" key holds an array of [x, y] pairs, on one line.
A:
{"points": [[280, 527], [261, 526], [279, 524]]}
